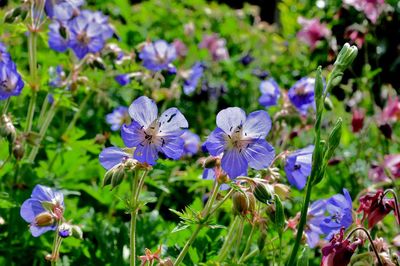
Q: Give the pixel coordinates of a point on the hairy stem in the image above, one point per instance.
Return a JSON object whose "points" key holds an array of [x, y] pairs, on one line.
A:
{"points": [[228, 240], [370, 240], [248, 244], [6, 105], [78, 113]]}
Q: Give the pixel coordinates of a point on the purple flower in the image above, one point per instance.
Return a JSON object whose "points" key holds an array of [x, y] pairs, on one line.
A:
{"points": [[151, 134], [88, 33], [371, 8], [11, 83], [57, 76], [269, 93], [59, 8], [58, 36], [191, 142], [313, 31], [315, 217], [5, 57], [123, 79], [302, 94], [158, 55], [298, 166], [242, 140], [113, 156], [43, 209], [118, 117], [339, 209], [193, 78]]}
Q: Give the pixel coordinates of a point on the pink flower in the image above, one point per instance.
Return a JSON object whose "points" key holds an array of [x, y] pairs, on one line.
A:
{"points": [[180, 48], [391, 113], [391, 163], [356, 34], [339, 250], [371, 8], [357, 120], [312, 32]]}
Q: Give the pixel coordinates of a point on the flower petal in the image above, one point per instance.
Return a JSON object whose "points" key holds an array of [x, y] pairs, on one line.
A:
{"points": [[146, 153], [230, 118], [112, 156], [259, 154], [172, 147], [132, 135], [215, 143], [172, 122], [234, 163], [144, 111]]}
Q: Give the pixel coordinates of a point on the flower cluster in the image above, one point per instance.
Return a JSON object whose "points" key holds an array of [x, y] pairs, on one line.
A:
{"points": [[192, 78], [216, 46], [82, 31], [11, 83]]}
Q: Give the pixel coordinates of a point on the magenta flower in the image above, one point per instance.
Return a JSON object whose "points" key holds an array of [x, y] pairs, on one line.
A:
{"points": [[43, 210], [312, 31], [357, 121], [391, 112], [391, 162], [371, 8]]}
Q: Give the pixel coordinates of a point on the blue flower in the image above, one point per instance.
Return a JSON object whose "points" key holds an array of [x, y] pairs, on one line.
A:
{"points": [[57, 76], [11, 83], [193, 78], [242, 141], [5, 57], [123, 79], [269, 93], [312, 230], [118, 117], [43, 209], [59, 8], [339, 208], [58, 36], [191, 143], [302, 94], [113, 156], [298, 166], [151, 134], [158, 55]]}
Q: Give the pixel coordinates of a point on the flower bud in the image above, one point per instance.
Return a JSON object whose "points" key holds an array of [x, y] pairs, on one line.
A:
{"points": [[18, 150], [44, 219], [7, 128], [262, 192], [65, 230], [211, 162], [328, 104], [107, 177], [281, 190], [76, 232], [166, 262], [243, 203], [117, 176]]}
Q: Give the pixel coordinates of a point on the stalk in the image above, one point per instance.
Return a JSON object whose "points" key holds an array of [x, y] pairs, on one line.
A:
{"points": [[6, 105], [248, 244], [78, 113], [370, 240], [228, 240], [132, 245]]}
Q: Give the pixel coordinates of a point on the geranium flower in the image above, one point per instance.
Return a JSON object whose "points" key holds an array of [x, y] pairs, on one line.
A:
{"points": [[112, 156], [371, 8], [158, 55], [192, 78], [118, 117], [53, 8], [312, 31], [298, 166], [339, 250], [216, 46], [315, 217], [191, 143], [302, 94], [123, 79], [375, 207], [11, 83], [43, 210], [242, 141], [269, 93], [151, 134]]}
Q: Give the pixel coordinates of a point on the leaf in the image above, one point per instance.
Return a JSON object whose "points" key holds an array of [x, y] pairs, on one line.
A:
{"points": [[181, 226]]}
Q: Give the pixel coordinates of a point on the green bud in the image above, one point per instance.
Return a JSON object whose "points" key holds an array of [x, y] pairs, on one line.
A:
{"points": [[279, 215], [262, 193], [118, 176], [108, 177], [334, 138], [261, 240], [243, 203], [319, 87], [76, 232], [328, 104]]}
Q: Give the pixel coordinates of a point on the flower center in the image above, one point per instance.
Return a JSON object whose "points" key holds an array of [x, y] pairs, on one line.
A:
{"points": [[237, 139], [7, 85], [83, 38]]}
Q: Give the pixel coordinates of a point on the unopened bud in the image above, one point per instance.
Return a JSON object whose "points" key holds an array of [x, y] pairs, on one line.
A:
{"points": [[166, 262], [328, 104], [118, 176], [281, 190], [44, 219], [263, 193], [7, 128], [18, 150], [76, 232], [243, 203], [65, 230], [211, 162]]}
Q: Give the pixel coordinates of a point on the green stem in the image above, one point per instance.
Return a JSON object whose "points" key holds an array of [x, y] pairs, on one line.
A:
{"points": [[251, 254], [228, 240], [132, 245], [43, 110], [248, 244], [221, 202], [32, 49], [78, 113], [206, 215], [6, 105], [238, 239]]}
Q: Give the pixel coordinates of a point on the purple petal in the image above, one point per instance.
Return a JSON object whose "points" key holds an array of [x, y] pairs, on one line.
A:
{"points": [[234, 163], [132, 135], [30, 209], [144, 111], [230, 118], [257, 125], [172, 122], [146, 153], [39, 230], [215, 143], [112, 156], [43, 193], [173, 147], [259, 154]]}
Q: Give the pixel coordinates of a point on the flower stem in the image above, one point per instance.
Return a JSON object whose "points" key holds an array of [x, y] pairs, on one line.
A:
{"points": [[228, 240], [132, 245], [6, 105], [78, 113], [32, 50], [370, 240], [206, 215], [238, 239], [248, 244], [396, 202]]}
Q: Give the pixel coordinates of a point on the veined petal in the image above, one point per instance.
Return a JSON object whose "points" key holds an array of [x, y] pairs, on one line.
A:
{"points": [[259, 154], [112, 156], [230, 118], [39, 230], [146, 153], [172, 122], [144, 111], [30, 209], [172, 147], [215, 143], [234, 163], [257, 125], [132, 135]]}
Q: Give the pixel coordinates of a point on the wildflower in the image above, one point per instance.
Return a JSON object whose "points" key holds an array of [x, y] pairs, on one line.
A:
{"points": [[216, 46], [302, 94], [315, 217], [391, 112], [151, 134], [371, 8], [158, 55], [123, 79], [43, 210], [88, 33], [57, 77], [357, 120], [11, 83], [191, 143], [242, 141], [55, 8], [5, 57], [339, 209], [58, 36], [312, 31], [150, 257], [269, 93], [118, 117], [192, 78], [375, 207], [356, 33], [113, 156], [180, 47], [298, 166], [339, 250], [247, 59]]}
